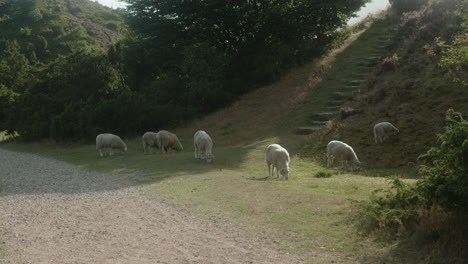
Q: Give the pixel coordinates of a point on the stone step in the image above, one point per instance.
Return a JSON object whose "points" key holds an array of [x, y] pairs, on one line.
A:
{"points": [[383, 38], [372, 58], [368, 63], [367, 69], [343, 94], [323, 116], [320, 123], [352, 88], [361, 76], [337, 107], [305, 130], [335, 102], [355, 82]]}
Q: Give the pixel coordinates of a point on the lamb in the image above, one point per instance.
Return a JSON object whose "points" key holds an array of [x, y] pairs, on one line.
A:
{"points": [[167, 140], [277, 157], [341, 150], [110, 141], [149, 140], [382, 131], [203, 145]]}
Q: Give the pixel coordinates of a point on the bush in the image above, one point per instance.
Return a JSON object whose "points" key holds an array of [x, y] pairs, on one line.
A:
{"points": [[445, 168], [407, 5], [444, 183], [392, 209]]}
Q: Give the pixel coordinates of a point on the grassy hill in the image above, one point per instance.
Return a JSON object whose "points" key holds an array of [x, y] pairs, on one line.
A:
{"points": [[45, 29], [309, 215]]}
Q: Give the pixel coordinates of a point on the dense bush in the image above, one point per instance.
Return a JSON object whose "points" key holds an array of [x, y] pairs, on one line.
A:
{"points": [[407, 5], [443, 183], [445, 168]]}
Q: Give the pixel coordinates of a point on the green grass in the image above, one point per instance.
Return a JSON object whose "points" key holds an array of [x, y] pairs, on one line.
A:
{"points": [[304, 213], [311, 215]]}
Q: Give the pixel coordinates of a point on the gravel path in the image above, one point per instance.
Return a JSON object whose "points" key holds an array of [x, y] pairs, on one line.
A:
{"points": [[53, 212]]}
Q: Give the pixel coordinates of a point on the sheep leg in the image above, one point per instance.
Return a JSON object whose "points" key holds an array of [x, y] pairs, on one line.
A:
{"points": [[330, 160], [100, 153], [269, 168], [195, 147]]}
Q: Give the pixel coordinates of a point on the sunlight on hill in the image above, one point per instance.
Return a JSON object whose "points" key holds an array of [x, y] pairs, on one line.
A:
{"points": [[371, 8], [112, 3]]}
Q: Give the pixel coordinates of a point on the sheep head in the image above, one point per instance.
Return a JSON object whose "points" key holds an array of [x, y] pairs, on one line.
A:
{"points": [[285, 172]]}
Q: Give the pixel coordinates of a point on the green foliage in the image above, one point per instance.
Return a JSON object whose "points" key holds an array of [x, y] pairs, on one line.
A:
{"points": [[14, 66], [443, 182], [407, 5], [445, 168], [455, 53], [393, 208], [241, 43]]}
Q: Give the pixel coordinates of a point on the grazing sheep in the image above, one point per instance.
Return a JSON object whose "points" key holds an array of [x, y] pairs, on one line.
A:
{"points": [[149, 140], [341, 150], [111, 142], [277, 157], [167, 140], [382, 131], [203, 145]]}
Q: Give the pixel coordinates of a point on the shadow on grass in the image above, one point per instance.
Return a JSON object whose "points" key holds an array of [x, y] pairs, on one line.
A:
{"points": [[68, 169]]}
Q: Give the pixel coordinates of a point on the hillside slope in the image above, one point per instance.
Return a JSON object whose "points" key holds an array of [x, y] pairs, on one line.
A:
{"points": [[414, 96], [45, 29]]}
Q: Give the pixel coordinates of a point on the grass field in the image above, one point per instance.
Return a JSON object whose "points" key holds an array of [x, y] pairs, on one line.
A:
{"points": [[304, 214], [314, 216]]}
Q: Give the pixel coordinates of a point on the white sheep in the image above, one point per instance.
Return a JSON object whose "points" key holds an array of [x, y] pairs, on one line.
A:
{"points": [[111, 142], [341, 150], [382, 131], [277, 157], [167, 140], [149, 140], [203, 145]]}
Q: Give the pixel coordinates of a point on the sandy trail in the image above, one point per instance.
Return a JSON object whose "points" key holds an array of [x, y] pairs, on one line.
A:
{"points": [[53, 212]]}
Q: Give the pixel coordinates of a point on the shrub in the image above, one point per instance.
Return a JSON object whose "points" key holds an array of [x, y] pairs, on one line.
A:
{"points": [[392, 209], [407, 5], [445, 168], [444, 183]]}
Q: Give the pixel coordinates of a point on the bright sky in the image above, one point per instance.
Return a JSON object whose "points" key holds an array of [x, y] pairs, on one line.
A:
{"points": [[112, 3], [373, 7]]}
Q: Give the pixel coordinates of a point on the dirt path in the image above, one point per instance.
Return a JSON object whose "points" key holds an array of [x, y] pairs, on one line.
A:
{"points": [[53, 212]]}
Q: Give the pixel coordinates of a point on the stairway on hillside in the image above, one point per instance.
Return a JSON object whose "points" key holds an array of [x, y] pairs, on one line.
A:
{"points": [[351, 85]]}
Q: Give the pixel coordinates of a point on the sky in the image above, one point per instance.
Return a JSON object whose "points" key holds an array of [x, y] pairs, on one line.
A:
{"points": [[112, 3], [373, 7]]}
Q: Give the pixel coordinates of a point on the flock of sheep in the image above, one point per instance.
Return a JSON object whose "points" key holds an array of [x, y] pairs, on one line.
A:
{"points": [[163, 140], [277, 157]]}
